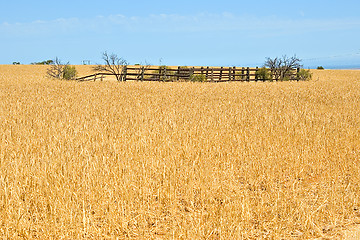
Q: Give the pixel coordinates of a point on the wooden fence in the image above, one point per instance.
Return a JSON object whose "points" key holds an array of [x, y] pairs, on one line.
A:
{"points": [[174, 74]]}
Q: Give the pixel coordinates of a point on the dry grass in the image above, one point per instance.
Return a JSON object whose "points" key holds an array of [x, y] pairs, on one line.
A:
{"points": [[178, 160]]}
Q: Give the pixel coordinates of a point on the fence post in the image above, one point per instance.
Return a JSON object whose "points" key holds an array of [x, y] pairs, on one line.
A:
{"points": [[297, 74], [248, 73], [207, 72], [212, 74], [234, 73], [124, 73], [242, 73], [160, 72], [220, 75], [164, 74], [95, 77], [178, 74], [142, 73], [256, 76], [192, 72]]}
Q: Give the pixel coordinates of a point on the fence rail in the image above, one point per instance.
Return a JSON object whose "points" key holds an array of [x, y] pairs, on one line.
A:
{"points": [[174, 74]]}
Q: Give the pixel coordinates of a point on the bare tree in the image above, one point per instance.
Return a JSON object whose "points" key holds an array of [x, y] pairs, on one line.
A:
{"points": [[112, 64], [281, 67], [143, 68], [57, 68]]}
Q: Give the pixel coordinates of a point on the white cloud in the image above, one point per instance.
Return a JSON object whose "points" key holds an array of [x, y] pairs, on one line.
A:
{"points": [[202, 22]]}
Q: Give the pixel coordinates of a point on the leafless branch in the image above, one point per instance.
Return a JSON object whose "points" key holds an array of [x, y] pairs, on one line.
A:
{"points": [[281, 67], [142, 70], [112, 64], [56, 69]]}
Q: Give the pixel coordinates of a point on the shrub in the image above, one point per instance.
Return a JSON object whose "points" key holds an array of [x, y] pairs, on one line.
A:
{"points": [[46, 62], [61, 71], [263, 74], [320, 68], [286, 78], [304, 75], [198, 78], [164, 73], [69, 72]]}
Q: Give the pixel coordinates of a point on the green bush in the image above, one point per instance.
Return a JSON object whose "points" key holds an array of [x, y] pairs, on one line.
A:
{"points": [[284, 79], [320, 68], [163, 74], [263, 74], [59, 70], [198, 78], [69, 72], [304, 75], [46, 62]]}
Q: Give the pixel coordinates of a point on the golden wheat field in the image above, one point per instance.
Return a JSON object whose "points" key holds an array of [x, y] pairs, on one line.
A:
{"points": [[154, 160]]}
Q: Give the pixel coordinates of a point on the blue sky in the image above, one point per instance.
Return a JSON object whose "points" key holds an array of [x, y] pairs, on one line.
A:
{"points": [[219, 33]]}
